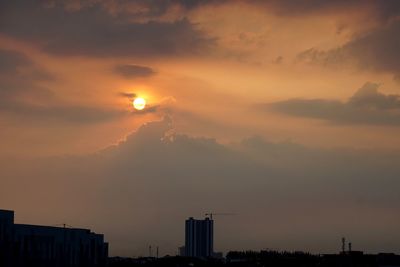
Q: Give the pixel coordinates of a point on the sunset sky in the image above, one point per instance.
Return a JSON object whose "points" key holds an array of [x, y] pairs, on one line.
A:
{"points": [[286, 113]]}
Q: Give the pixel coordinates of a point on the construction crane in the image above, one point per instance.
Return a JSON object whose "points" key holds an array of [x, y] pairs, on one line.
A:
{"points": [[211, 214]]}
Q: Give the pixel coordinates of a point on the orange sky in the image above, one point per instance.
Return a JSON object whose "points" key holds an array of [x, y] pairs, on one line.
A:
{"points": [[252, 58], [322, 74]]}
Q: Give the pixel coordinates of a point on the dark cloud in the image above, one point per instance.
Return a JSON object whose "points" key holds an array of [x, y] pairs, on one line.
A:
{"points": [[157, 176], [94, 31], [366, 106], [135, 28], [383, 10], [152, 9], [133, 71], [369, 97], [128, 95], [376, 50]]}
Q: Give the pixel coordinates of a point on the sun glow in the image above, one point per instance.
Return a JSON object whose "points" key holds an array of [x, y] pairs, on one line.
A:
{"points": [[139, 103]]}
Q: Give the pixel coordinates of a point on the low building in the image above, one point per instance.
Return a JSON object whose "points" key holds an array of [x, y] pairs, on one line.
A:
{"points": [[46, 246], [182, 251]]}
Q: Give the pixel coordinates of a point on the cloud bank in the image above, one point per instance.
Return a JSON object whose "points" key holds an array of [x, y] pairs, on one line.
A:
{"points": [[133, 71], [367, 106], [376, 50], [139, 192], [93, 31]]}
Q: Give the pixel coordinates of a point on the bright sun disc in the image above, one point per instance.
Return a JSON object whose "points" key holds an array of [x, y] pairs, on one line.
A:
{"points": [[139, 103]]}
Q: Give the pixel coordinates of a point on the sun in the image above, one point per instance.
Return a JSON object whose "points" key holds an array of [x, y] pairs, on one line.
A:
{"points": [[139, 103]]}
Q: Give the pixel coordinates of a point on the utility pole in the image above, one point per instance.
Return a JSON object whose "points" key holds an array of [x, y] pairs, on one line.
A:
{"points": [[343, 245]]}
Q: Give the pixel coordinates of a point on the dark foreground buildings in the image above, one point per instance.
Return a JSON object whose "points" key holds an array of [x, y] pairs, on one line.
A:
{"points": [[199, 238], [24, 245], [267, 258]]}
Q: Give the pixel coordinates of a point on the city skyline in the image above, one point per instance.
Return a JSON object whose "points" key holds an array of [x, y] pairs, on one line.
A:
{"points": [[130, 116]]}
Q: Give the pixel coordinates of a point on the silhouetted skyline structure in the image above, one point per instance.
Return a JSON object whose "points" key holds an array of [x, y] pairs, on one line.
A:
{"points": [[23, 245], [199, 238], [268, 258]]}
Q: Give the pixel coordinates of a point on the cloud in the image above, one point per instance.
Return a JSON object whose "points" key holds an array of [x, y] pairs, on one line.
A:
{"points": [[133, 71], [56, 114], [21, 95], [157, 9], [369, 97], [366, 106], [93, 31], [383, 10], [128, 95], [18, 75], [376, 50], [156, 175], [144, 28], [14, 63], [10, 61]]}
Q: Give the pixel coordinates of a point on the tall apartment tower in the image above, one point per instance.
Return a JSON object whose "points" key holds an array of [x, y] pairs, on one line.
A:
{"points": [[199, 238]]}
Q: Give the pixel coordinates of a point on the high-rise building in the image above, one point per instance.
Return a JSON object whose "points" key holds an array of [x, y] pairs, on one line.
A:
{"points": [[199, 238]]}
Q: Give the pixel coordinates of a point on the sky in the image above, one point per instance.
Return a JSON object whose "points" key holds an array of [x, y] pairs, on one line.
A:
{"points": [[285, 113]]}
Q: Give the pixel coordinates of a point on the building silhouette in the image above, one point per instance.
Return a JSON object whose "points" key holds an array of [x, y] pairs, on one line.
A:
{"points": [[46, 246], [199, 238]]}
